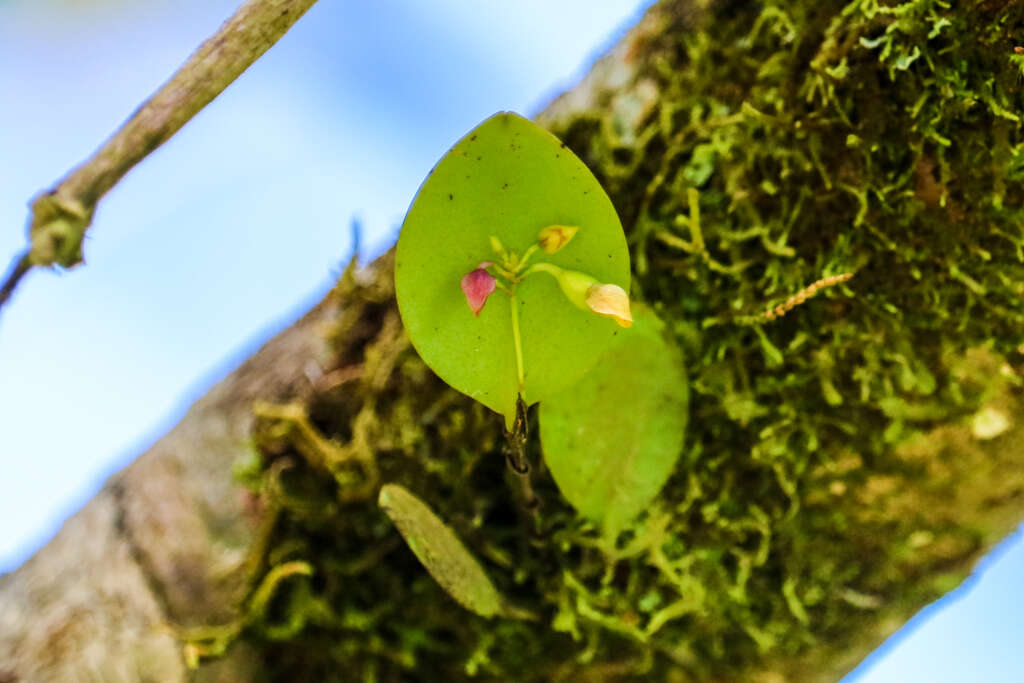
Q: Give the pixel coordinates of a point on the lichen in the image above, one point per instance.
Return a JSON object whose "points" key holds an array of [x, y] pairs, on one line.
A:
{"points": [[832, 481]]}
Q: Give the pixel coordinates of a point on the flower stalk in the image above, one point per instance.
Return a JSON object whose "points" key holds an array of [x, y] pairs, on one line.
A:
{"points": [[582, 290]]}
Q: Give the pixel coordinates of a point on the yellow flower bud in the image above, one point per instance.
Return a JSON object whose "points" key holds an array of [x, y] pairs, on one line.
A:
{"points": [[554, 237], [610, 301]]}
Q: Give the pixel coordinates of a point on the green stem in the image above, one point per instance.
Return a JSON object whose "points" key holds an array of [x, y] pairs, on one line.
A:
{"points": [[516, 340], [526, 256], [545, 267], [697, 237]]}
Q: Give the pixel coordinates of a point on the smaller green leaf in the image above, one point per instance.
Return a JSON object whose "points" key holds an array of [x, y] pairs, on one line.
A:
{"points": [[441, 552], [612, 440]]}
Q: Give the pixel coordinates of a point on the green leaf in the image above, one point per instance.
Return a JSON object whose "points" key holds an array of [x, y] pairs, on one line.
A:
{"points": [[612, 440], [509, 179], [441, 552]]}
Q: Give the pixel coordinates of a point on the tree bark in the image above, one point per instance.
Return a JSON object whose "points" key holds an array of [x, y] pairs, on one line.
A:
{"points": [[845, 465], [164, 544]]}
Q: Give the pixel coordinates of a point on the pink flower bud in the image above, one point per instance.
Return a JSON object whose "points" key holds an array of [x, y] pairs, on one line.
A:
{"points": [[477, 285]]}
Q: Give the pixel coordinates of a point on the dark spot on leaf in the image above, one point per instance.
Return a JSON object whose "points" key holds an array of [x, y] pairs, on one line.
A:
{"points": [[478, 158], [473, 138], [504, 186], [450, 196], [563, 145]]}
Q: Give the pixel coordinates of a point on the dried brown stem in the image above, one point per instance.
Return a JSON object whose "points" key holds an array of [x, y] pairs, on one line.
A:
{"points": [[519, 469]]}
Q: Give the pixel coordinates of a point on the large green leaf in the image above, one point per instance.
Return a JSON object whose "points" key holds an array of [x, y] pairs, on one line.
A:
{"points": [[507, 178], [612, 440]]}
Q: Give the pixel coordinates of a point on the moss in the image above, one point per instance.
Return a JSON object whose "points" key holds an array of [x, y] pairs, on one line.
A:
{"points": [[831, 483]]}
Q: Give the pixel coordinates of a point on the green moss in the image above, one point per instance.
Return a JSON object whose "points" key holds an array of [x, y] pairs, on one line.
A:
{"points": [[830, 482]]}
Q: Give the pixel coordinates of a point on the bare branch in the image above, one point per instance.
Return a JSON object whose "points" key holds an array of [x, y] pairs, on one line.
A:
{"points": [[60, 216], [19, 266]]}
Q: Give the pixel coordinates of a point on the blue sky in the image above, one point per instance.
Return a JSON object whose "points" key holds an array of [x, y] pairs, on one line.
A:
{"points": [[232, 229]]}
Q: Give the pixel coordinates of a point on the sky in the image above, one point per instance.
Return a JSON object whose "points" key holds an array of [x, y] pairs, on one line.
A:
{"points": [[238, 224]]}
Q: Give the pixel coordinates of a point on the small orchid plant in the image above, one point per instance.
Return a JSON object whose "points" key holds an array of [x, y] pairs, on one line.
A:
{"points": [[582, 290], [507, 202], [554, 340]]}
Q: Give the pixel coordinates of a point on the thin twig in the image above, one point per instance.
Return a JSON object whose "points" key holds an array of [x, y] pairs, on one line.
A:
{"points": [[60, 216], [793, 301], [19, 266]]}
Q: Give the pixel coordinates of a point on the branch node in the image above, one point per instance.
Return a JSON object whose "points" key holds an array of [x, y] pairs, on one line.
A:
{"points": [[57, 230]]}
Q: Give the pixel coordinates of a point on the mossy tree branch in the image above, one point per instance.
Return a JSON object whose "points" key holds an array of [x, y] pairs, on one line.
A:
{"points": [[61, 216], [844, 466]]}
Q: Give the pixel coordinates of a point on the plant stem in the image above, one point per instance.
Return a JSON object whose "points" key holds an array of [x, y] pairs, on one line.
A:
{"points": [[516, 340], [519, 468], [696, 236], [516, 438], [526, 255], [552, 270]]}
